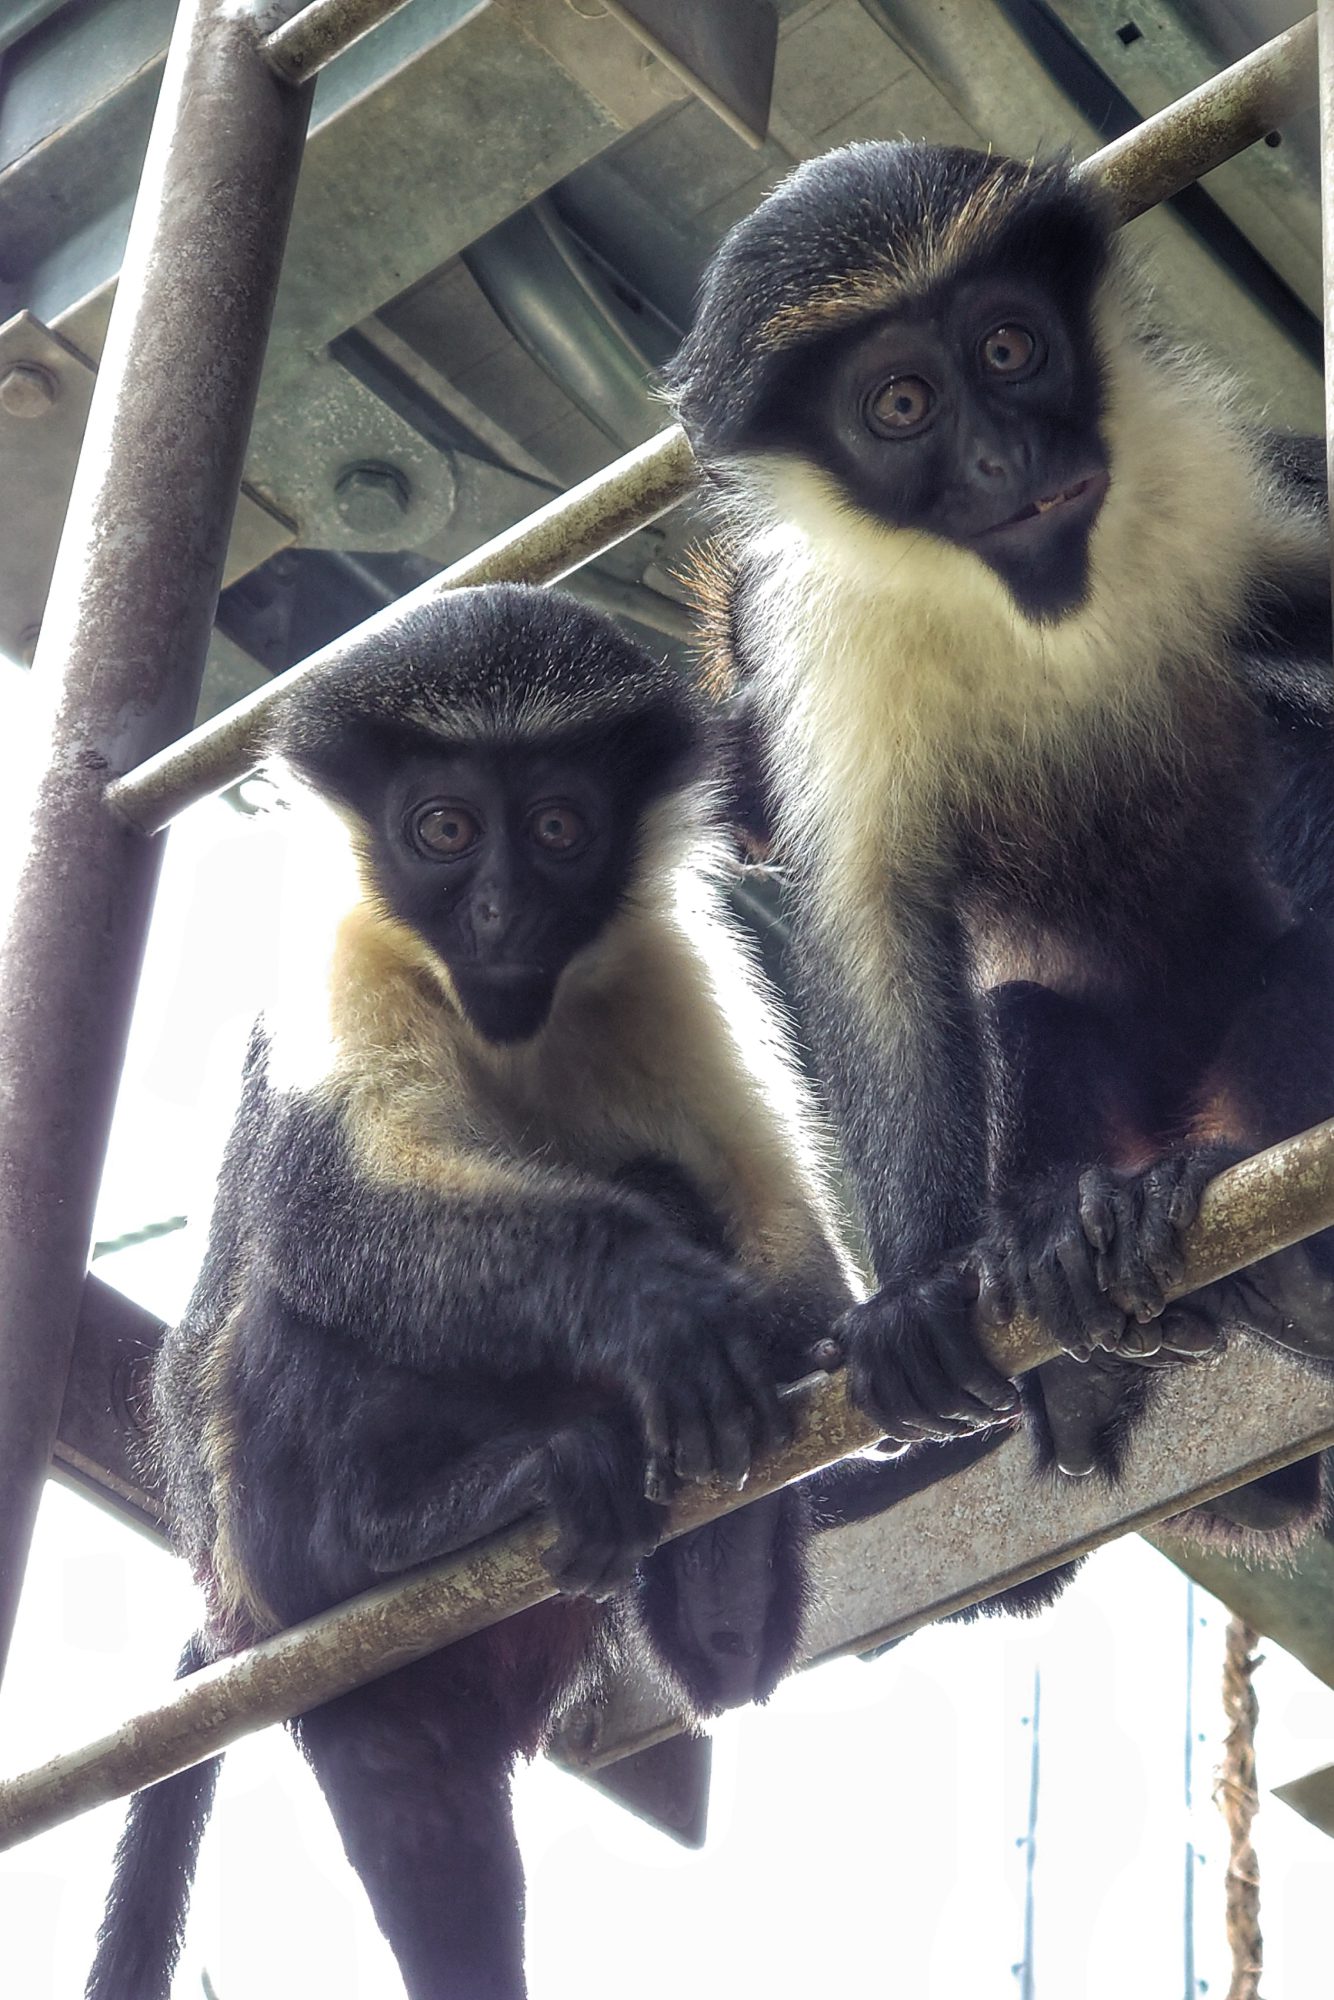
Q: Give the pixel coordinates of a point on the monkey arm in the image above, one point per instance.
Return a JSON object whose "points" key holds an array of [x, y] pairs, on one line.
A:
{"points": [[514, 1271], [898, 1043]]}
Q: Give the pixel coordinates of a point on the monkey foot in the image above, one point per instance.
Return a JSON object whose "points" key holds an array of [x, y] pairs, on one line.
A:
{"points": [[1287, 1299], [915, 1365], [1134, 1224]]}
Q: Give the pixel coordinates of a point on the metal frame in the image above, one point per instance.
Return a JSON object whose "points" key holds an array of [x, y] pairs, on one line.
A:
{"points": [[135, 589]]}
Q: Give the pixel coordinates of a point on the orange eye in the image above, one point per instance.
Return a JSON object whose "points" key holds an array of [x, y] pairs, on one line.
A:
{"points": [[900, 405], [445, 832], [1008, 350], [557, 828]]}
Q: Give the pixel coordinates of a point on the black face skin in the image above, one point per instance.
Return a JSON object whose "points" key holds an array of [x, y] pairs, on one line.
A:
{"points": [[973, 415], [507, 862]]}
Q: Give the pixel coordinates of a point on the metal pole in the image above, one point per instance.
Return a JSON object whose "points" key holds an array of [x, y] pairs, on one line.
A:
{"points": [[1155, 160], [418, 1613], [1207, 126], [546, 546], [301, 47], [118, 668]]}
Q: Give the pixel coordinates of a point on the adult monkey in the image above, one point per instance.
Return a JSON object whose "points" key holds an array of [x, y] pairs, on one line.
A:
{"points": [[520, 1210], [998, 570]]}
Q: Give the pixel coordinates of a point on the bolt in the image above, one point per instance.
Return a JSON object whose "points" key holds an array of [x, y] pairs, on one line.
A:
{"points": [[27, 390], [371, 496]]}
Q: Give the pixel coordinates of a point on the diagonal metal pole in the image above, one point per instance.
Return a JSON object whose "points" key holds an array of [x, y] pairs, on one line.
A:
{"points": [[117, 672], [1230, 112], [1261, 1205]]}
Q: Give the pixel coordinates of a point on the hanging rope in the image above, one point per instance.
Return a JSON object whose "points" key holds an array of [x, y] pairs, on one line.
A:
{"points": [[1238, 1800]]}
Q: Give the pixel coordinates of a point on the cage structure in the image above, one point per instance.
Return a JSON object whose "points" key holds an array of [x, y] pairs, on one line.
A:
{"points": [[158, 520]]}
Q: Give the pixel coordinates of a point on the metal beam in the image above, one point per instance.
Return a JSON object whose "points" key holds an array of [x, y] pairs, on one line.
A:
{"points": [[102, 1431], [120, 660], [1223, 116], [418, 1613], [301, 47], [1214, 1427]]}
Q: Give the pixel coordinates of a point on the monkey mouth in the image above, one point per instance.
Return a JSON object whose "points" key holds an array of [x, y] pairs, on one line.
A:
{"points": [[1078, 502]]}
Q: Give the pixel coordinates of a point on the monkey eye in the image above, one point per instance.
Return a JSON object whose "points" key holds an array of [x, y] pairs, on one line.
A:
{"points": [[443, 832], [1009, 350], [558, 829], [900, 406]]}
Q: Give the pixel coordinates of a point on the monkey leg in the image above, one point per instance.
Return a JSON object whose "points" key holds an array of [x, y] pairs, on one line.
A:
{"points": [[1065, 1092], [1273, 1075], [420, 1794], [356, 1469], [722, 1607]]}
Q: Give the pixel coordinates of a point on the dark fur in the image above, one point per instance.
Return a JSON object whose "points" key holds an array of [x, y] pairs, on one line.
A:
{"points": [[372, 1372], [1173, 899]]}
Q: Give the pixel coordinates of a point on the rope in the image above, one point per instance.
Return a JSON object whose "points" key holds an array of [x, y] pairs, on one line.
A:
{"points": [[1238, 1799]]}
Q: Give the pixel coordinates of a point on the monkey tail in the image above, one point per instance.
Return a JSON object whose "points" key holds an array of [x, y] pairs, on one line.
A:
{"points": [[143, 1927]]}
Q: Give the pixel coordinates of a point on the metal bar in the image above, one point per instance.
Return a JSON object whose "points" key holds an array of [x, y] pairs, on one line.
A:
{"points": [[101, 1433], [1207, 126], [568, 532], [417, 1614], [119, 664], [1220, 118], [1213, 1427], [303, 46]]}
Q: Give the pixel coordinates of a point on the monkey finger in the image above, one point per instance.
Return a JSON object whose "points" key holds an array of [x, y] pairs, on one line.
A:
{"points": [[1097, 1214], [1072, 1302], [987, 1393]]}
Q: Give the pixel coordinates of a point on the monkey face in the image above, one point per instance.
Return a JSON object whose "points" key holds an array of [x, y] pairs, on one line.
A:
{"points": [[507, 863], [971, 414]]}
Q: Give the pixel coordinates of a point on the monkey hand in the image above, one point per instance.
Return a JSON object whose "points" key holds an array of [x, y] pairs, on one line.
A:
{"points": [[700, 1371], [593, 1479], [1049, 1253], [1135, 1221], [914, 1362], [1134, 1224]]}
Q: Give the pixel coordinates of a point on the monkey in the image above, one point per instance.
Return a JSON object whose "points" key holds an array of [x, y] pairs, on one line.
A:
{"points": [[997, 576], [523, 1208]]}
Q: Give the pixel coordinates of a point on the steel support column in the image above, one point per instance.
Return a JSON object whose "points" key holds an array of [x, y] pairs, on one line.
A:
{"points": [[118, 671]]}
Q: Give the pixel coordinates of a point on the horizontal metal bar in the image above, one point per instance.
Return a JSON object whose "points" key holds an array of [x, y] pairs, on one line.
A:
{"points": [[303, 46], [1196, 134], [1161, 156], [1213, 1427], [417, 1614], [560, 537]]}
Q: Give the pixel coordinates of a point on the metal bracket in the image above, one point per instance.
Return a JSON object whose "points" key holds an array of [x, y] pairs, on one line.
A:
{"points": [[46, 387]]}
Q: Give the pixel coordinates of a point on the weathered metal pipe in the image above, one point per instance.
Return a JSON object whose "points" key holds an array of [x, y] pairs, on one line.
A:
{"points": [[568, 532], [1159, 157], [1261, 1205], [301, 47], [118, 668], [1207, 126]]}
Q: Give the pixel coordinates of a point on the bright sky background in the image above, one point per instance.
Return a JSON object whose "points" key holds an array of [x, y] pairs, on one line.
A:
{"points": [[866, 1832]]}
